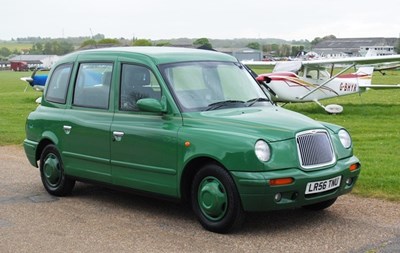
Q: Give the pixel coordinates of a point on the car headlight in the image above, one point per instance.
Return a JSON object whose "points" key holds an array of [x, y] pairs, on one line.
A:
{"points": [[262, 150], [345, 138]]}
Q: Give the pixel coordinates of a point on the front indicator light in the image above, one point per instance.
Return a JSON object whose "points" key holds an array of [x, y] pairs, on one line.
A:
{"points": [[281, 181], [354, 166]]}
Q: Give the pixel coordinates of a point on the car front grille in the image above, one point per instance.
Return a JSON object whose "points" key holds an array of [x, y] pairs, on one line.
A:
{"points": [[315, 149]]}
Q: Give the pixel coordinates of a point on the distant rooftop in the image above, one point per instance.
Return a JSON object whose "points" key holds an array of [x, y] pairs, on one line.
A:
{"points": [[356, 42], [30, 58], [351, 46]]}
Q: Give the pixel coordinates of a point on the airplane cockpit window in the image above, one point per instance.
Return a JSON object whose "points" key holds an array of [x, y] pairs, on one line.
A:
{"points": [[58, 85], [317, 74], [323, 75], [312, 73]]}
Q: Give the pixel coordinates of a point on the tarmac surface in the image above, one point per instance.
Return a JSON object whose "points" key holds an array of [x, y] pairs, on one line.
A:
{"points": [[97, 219]]}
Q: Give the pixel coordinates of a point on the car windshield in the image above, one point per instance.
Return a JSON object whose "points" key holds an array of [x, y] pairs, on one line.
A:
{"points": [[202, 86]]}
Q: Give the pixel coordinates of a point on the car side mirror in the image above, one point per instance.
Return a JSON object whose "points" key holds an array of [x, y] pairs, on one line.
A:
{"points": [[149, 105]]}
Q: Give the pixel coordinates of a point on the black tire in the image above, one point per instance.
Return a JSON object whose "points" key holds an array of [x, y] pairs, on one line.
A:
{"points": [[321, 205], [215, 200], [52, 173]]}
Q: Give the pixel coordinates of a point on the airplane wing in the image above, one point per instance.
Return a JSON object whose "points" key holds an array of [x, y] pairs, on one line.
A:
{"points": [[386, 66], [345, 60], [259, 63], [354, 60], [380, 86]]}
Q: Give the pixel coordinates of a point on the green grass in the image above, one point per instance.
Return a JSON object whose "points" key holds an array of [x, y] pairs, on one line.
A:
{"points": [[15, 105], [374, 123], [373, 119]]}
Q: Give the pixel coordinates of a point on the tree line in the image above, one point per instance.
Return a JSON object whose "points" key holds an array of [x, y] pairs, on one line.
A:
{"points": [[278, 48]]}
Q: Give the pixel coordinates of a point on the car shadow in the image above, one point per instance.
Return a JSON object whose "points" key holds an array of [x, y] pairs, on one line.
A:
{"points": [[107, 199]]}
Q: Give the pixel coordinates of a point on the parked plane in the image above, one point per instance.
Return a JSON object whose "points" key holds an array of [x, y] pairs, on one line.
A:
{"points": [[305, 81], [37, 82]]}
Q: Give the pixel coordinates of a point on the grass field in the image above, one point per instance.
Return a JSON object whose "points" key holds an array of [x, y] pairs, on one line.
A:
{"points": [[15, 105], [16, 46], [373, 119]]}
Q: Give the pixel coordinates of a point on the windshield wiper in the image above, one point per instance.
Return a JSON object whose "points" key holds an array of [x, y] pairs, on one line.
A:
{"points": [[220, 104], [251, 102]]}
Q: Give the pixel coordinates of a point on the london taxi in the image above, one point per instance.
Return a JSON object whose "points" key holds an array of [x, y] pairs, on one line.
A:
{"points": [[189, 124]]}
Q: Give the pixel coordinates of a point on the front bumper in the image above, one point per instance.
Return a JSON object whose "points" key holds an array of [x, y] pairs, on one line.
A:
{"points": [[257, 195]]}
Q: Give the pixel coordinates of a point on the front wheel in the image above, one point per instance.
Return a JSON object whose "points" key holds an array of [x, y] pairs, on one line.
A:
{"points": [[321, 205], [215, 199], [52, 173]]}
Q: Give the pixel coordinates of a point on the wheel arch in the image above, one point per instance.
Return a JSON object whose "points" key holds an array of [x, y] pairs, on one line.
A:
{"points": [[190, 170], [42, 144]]}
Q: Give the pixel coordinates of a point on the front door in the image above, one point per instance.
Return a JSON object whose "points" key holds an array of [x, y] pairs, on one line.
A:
{"points": [[144, 146]]}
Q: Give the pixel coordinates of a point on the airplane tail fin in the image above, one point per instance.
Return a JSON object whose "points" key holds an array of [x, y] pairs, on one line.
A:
{"points": [[365, 70], [364, 75]]}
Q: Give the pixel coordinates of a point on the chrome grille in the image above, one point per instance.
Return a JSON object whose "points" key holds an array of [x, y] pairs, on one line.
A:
{"points": [[315, 149]]}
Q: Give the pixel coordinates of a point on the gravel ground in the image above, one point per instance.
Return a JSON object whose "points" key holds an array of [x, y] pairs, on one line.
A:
{"points": [[96, 219]]}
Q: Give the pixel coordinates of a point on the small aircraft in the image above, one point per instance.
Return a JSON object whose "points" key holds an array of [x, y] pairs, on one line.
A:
{"points": [[37, 82], [310, 81], [386, 66]]}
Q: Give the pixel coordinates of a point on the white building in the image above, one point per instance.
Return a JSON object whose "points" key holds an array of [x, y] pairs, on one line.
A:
{"points": [[377, 51]]}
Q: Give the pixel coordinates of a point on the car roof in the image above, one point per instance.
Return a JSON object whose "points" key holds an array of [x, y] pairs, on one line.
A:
{"points": [[160, 55]]}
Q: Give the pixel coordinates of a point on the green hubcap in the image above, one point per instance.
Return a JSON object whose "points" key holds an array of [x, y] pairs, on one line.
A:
{"points": [[212, 198], [51, 170]]}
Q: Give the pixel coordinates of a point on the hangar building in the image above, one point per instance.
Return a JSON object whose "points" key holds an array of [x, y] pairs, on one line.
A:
{"points": [[44, 61], [341, 47]]}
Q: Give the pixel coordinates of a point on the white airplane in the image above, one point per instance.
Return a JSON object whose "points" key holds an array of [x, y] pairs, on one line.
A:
{"points": [[306, 81]]}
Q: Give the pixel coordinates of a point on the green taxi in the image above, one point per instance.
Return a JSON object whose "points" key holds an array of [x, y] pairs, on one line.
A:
{"points": [[187, 124]]}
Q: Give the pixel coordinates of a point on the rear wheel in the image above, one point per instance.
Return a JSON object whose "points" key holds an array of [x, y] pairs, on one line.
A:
{"points": [[215, 199], [321, 205], [52, 173]]}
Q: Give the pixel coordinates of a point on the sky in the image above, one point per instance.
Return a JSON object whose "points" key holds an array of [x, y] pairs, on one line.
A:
{"points": [[213, 19]]}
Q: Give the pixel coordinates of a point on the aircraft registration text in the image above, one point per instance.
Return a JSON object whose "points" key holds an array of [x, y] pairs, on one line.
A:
{"points": [[348, 87]]}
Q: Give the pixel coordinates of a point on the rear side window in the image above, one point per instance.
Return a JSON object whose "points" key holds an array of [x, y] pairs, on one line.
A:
{"points": [[92, 87], [58, 84]]}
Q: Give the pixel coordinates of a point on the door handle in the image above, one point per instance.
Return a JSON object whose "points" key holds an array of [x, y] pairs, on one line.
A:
{"points": [[67, 129], [117, 135]]}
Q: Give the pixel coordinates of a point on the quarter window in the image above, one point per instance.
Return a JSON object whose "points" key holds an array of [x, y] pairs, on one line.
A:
{"points": [[137, 82], [58, 84], [92, 88]]}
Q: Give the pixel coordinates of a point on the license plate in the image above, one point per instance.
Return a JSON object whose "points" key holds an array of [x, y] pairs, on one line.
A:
{"points": [[322, 186]]}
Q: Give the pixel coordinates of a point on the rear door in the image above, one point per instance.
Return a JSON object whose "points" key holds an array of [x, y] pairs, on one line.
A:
{"points": [[86, 129]]}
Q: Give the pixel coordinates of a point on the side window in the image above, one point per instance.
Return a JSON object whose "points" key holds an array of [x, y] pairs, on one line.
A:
{"points": [[313, 74], [137, 82], [58, 84], [92, 87]]}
